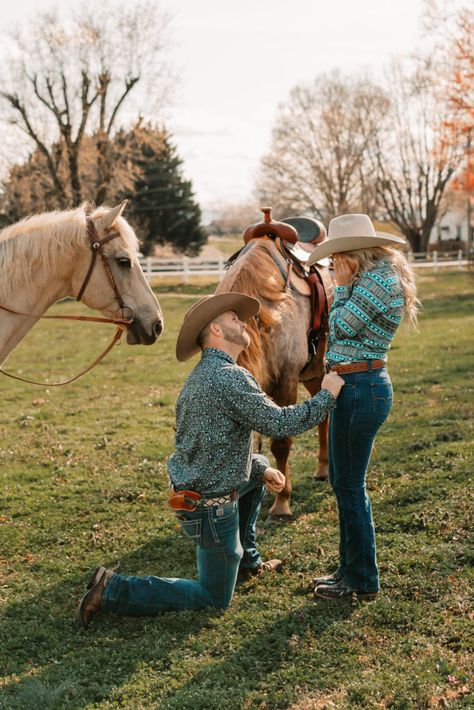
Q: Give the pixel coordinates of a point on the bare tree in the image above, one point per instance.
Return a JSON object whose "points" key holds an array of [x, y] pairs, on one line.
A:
{"points": [[233, 218], [71, 77], [453, 30], [414, 156], [317, 162]]}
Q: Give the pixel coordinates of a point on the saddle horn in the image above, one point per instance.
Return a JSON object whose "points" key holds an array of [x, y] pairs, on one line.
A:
{"points": [[269, 228]]}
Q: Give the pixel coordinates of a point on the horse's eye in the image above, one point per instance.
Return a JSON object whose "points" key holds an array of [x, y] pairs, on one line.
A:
{"points": [[124, 262]]}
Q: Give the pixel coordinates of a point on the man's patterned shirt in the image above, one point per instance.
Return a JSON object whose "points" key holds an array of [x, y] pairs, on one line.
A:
{"points": [[365, 316], [219, 407]]}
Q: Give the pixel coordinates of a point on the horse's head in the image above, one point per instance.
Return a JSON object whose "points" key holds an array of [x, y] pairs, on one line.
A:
{"points": [[132, 287]]}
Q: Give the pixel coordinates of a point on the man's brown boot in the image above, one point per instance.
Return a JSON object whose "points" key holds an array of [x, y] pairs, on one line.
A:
{"points": [[91, 601], [268, 566]]}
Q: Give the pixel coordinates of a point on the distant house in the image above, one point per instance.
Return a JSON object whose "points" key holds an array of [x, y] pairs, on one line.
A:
{"points": [[450, 233]]}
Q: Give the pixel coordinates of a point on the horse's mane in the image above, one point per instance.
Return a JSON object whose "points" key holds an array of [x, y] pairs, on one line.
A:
{"points": [[42, 239], [256, 274]]}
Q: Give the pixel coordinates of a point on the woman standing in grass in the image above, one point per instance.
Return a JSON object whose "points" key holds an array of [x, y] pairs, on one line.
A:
{"points": [[375, 287]]}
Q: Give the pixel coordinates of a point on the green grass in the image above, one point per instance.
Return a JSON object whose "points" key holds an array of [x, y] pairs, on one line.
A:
{"points": [[227, 244], [83, 476]]}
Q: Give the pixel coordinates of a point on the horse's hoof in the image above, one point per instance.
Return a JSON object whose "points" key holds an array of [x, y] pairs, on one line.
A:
{"points": [[320, 477], [279, 519]]}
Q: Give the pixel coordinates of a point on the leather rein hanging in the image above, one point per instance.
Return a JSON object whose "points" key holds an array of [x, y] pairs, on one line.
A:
{"points": [[96, 246]]}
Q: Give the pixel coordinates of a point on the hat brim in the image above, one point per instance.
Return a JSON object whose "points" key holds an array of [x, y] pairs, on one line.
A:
{"points": [[341, 244], [204, 311]]}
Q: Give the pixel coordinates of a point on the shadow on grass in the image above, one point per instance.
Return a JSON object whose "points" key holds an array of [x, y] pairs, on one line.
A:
{"points": [[39, 637], [64, 667], [114, 650], [229, 681]]}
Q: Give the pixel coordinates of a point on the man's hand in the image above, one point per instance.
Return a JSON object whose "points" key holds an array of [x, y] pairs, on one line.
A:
{"points": [[332, 383], [273, 480]]}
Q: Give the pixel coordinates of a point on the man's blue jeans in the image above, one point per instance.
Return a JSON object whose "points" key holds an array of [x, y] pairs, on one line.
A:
{"points": [[362, 407], [225, 537]]}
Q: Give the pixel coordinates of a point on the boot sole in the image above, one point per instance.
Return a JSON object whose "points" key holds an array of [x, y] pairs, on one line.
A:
{"points": [[361, 596], [79, 618]]}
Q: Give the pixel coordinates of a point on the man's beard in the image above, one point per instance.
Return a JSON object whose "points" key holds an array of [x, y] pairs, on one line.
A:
{"points": [[240, 337]]}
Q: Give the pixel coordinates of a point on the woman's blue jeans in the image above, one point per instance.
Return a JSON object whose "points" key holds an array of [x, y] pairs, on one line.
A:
{"points": [[363, 405], [225, 538]]}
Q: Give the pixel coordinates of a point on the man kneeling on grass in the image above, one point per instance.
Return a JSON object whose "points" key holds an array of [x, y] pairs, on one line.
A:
{"points": [[217, 484]]}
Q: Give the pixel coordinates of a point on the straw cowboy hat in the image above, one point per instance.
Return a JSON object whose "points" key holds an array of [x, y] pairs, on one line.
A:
{"points": [[349, 232], [204, 311]]}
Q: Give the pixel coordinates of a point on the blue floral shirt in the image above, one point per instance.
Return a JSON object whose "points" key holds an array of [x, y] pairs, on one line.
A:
{"points": [[219, 407]]}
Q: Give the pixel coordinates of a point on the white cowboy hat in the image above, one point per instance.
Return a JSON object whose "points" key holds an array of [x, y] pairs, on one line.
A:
{"points": [[204, 311], [349, 232]]}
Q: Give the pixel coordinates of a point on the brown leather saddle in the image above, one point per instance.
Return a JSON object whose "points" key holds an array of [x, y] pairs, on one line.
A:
{"points": [[290, 255]]}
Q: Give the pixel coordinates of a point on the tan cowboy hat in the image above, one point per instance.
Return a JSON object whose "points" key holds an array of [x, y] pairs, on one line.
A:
{"points": [[204, 311], [349, 232]]}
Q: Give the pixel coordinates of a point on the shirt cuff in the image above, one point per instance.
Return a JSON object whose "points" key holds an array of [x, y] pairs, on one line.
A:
{"points": [[342, 293], [259, 465], [327, 399]]}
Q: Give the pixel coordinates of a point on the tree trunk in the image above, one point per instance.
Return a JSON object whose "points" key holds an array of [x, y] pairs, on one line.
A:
{"points": [[74, 178]]}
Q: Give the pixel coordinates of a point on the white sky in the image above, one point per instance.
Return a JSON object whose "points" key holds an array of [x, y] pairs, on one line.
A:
{"points": [[239, 59]]}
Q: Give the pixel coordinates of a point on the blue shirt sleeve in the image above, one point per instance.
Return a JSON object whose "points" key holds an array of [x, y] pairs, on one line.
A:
{"points": [[355, 308], [251, 406]]}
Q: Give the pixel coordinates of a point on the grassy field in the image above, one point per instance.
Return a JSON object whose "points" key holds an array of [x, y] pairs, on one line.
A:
{"points": [[83, 480]]}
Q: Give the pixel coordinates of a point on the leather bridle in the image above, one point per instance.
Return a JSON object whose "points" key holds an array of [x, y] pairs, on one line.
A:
{"points": [[96, 246]]}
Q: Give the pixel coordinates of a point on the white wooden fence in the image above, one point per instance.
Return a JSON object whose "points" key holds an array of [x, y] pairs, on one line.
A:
{"points": [[183, 267], [186, 267], [436, 259]]}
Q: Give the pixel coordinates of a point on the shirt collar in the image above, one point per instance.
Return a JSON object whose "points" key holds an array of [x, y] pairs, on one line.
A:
{"points": [[208, 352]]}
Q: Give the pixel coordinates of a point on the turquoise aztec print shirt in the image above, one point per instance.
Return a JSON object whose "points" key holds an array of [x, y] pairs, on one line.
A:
{"points": [[365, 316], [219, 407]]}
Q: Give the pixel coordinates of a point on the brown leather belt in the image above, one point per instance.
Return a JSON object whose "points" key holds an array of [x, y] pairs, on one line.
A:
{"points": [[190, 500], [363, 366]]}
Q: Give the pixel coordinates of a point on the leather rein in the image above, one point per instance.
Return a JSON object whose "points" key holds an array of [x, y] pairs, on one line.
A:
{"points": [[96, 245]]}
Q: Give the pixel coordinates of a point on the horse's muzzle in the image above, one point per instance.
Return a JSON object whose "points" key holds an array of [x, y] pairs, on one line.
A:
{"points": [[138, 334]]}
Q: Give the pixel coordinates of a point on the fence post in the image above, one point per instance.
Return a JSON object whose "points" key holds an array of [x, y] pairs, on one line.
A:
{"points": [[459, 259], [148, 268], [185, 269], [435, 261], [221, 267]]}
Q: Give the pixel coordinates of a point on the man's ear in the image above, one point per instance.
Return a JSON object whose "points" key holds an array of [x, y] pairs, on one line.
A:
{"points": [[215, 329]]}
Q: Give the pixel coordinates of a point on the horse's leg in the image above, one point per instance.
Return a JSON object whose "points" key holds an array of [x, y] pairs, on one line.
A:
{"points": [[280, 511], [321, 474]]}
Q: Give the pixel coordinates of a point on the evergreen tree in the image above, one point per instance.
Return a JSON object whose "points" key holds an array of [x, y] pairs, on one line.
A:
{"points": [[162, 203], [146, 169]]}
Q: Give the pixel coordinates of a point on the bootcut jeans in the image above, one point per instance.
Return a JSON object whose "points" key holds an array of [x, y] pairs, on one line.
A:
{"points": [[225, 538], [363, 405]]}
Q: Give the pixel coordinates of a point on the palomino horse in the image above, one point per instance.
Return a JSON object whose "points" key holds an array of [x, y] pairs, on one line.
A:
{"points": [[278, 351], [47, 257]]}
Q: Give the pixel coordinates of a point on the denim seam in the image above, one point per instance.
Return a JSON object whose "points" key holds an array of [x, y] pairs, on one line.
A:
{"points": [[254, 507], [350, 427], [215, 536], [351, 459]]}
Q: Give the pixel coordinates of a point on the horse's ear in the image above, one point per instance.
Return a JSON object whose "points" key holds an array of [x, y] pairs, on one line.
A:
{"points": [[114, 213]]}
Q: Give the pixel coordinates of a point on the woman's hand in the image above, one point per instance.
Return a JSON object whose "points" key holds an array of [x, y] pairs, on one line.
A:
{"points": [[343, 270], [274, 480], [333, 383]]}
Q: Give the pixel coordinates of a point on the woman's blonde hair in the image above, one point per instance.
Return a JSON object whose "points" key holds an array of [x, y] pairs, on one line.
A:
{"points": [[367, 259]]}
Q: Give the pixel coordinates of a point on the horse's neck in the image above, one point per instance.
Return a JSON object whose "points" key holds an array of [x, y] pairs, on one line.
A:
{"points": [[33, 295]]}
